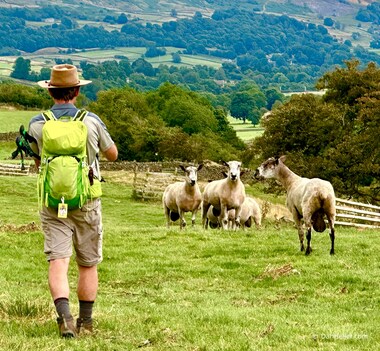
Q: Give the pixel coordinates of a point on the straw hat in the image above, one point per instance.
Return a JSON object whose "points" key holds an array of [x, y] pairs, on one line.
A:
{"points": [[63, 76]]}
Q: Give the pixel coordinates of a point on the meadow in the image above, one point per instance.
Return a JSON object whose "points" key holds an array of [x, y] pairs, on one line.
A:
{"points": [[245, 131], [193, 289], [46, 58], [166, 289]]}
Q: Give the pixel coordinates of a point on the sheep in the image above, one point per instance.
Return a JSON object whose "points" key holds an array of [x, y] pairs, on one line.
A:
{"points": [[181, 197], [223, 195], [310, 199], [250, 212]]}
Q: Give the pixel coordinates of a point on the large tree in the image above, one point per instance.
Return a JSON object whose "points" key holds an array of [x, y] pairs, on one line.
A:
{"points": [[21, 68], [334, 137]]}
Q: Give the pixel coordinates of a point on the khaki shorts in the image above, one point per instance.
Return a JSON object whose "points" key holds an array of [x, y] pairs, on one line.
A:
{"points": [[82, 229]]}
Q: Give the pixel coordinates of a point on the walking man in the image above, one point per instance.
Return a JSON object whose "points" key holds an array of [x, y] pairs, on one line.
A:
{"points": [[79, 228]]}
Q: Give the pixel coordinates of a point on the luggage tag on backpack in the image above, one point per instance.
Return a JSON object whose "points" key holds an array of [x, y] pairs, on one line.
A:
{"points": [[62, 210]]}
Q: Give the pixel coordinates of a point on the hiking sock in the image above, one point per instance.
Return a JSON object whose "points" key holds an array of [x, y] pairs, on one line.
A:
{"points": [[85, 310], [63, 307]]}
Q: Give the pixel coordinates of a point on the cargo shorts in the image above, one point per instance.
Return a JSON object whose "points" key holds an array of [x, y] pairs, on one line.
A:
{"points": [[82, 229]]}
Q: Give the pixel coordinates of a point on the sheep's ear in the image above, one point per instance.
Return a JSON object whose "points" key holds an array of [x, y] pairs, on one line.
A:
{"points": [[282, 158], [224, 163], [224, 174], [200, 167], [182, 167], [242, 173]]}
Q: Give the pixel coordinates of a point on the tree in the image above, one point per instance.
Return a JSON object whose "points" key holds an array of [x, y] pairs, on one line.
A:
{"points": [[143, 66], [176, 57], [242, 105], [328, 22], [122, 19], [272, 95], [333, 137], [21, 68]]}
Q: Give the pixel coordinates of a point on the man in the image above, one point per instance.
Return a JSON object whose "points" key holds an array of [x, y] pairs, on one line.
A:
{"points": [[82, 228]]}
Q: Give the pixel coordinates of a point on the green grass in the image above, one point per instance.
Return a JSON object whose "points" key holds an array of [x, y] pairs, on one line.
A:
{"points": [[10, 120], [245, 131], [166, 289]]}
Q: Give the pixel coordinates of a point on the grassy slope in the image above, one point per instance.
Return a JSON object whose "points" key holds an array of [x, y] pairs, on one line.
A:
{"points": [[192, 290]]}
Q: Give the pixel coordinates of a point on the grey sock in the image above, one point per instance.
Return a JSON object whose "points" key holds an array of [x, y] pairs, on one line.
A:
{"points": [[85, 310], [63, 307]]}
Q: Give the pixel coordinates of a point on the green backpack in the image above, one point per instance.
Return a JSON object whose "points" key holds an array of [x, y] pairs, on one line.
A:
{"points": [[64, 173]]}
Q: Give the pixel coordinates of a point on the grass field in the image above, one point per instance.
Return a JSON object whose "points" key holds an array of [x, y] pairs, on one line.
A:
{"points": [[46, 58], [166, 289], [245, 131], [10, 120]]}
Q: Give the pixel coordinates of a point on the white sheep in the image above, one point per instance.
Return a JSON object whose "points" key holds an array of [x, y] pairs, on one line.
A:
{"points": [[250, 212], [223, 195], [181, 197], [310, 199]]}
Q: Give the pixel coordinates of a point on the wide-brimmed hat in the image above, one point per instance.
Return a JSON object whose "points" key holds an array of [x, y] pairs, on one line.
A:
{"points": [[63, 76]]}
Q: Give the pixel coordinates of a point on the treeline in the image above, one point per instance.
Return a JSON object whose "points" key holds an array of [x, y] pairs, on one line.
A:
{"points": [[269, 49], [245, 100], [334, 136]]}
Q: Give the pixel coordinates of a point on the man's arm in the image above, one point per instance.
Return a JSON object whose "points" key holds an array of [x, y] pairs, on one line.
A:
{"points": [[111, 153], [37, 163]]}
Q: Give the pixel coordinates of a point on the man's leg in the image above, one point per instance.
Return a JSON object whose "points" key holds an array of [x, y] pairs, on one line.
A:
{"points": [[60, 291], [87, 291]]}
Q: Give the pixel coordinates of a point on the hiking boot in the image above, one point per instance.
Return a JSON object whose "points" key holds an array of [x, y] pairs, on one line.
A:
{"points": [[84, 327], [66, 327]]}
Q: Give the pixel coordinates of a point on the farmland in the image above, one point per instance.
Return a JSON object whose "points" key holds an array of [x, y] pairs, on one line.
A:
{"points": [[166, 289]]}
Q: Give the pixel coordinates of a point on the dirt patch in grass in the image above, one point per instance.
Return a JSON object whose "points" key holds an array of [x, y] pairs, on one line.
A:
{"points": [[277, 272], [20, 229]]}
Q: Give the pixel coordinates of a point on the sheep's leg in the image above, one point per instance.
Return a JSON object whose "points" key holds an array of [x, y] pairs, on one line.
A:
{"points": [[307, 219], [205, 207], [182, 223], [257, 222], [300, 237], [332, 238], [297, 220], [237, 217], [332, 235], [308, 238], [167, 215], [224, 216], [193, 215]]}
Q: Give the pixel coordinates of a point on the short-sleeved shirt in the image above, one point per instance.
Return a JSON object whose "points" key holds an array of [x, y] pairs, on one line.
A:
{"points": [[83, 226], [98, 137]]}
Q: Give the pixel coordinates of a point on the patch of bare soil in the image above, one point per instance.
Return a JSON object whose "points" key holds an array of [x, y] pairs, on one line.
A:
{"points": [[277, 272], [20, 229]]}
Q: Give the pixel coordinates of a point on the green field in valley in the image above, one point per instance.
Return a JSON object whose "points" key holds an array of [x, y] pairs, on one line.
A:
{"points": [[245, 131], [46, 58]]}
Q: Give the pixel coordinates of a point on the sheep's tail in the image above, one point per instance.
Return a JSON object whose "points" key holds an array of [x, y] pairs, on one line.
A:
{"points": [[317, 218]]}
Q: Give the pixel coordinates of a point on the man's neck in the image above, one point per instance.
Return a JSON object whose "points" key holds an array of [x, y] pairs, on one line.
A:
{"points": [[62, 102]]}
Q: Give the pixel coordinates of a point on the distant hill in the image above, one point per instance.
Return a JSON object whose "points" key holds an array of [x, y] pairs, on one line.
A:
{"points": [[286, 43]]}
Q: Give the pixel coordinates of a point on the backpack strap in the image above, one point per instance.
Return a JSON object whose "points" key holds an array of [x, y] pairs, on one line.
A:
{"points": [[48, 115], [80, 115]]}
